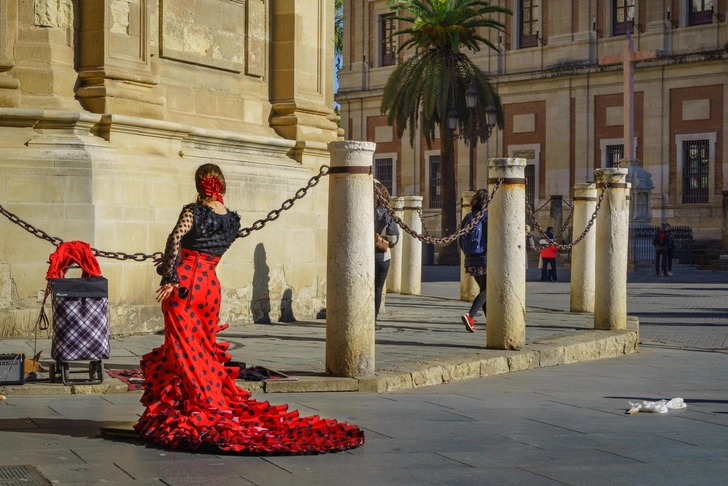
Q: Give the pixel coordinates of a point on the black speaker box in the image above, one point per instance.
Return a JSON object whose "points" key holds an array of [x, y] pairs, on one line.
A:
{"points": [[12, 369]]}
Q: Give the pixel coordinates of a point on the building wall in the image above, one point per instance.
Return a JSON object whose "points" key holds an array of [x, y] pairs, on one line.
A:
{"points": [[107, 107], [579, 101]]}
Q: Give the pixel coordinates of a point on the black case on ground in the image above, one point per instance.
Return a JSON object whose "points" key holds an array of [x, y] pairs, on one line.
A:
{"points": [[12, 369]]}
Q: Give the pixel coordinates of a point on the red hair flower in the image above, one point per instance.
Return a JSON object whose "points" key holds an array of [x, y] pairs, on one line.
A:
{"points": [[212, 187]]}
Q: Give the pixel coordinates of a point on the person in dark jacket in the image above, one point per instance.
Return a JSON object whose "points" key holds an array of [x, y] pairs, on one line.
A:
{"points": [[661, 243], [476, 264], [670, 248], [388, 232], [548, 257]]}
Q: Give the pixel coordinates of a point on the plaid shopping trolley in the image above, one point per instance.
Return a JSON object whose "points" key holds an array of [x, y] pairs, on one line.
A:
{"points": [[80, 314]]}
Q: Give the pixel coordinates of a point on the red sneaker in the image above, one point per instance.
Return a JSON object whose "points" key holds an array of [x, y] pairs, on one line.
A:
{"points": [[469, 322]]}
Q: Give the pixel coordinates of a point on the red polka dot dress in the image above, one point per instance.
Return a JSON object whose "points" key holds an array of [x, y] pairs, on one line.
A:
{"points": [[191, 397]]}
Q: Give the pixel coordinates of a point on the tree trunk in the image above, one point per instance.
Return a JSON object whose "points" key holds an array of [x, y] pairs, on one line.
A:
{"points": [[449, 255]]}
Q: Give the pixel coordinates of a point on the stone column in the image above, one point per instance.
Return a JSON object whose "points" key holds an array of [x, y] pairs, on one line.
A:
{"points": [[506, 282], [412, 248], [724, 231], [350, 264], [610, 300], [394, 277], [556, 213], [582, 255], [468, 287]]}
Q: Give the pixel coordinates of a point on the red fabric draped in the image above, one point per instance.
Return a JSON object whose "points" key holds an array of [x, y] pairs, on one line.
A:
{"points": [[72, 252]]}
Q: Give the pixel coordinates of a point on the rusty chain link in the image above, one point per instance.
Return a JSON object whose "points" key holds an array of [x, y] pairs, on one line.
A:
{"points": [[588, 227], [140, 257], [55, 241], [422, 220], [566, 224], [444, 241], [287, 204]]}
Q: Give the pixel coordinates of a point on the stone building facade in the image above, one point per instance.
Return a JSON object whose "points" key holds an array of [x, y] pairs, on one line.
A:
{"points": [[107, 107], [564, 112]]}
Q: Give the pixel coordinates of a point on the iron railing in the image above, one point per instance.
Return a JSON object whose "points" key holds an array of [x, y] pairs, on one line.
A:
{"points": [[641, 250]]}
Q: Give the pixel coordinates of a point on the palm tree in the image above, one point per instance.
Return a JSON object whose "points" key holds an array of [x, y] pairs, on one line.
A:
{"points": [[432, 82], [338, 30]]}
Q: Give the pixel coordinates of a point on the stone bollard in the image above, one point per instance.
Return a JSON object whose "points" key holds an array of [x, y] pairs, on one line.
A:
{"points": [[506, 281], [394, 277], [610, 287], [724, 231], [556, 214], [350, 261], [411, 247], [468, 287], [582, 255]]}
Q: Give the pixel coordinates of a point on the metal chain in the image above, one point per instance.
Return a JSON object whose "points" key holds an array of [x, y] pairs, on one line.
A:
{"points": [[140, 257], [55, 241], [588, 227], [422, 220], [444, 241], [287, 204], [566, 224]]}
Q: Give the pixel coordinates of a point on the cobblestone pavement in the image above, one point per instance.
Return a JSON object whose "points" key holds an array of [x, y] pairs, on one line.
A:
{"points": [[688, 309]]}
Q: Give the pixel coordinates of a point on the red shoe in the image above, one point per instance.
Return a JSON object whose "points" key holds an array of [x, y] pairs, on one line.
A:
{"points": [[469, 322]]}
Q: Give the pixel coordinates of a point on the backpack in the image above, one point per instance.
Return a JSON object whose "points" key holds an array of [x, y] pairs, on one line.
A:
{"points": [[474, 242]]}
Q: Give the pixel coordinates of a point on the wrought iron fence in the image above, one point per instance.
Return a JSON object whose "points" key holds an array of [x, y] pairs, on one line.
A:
{"points": [[642, 251]]}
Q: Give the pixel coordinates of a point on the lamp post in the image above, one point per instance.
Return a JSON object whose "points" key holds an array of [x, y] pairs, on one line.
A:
{"points": [[491, 118], [471, 99]]}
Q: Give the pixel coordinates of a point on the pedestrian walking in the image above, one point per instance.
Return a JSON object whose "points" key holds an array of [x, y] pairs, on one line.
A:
{"points": [[474, 245], [530, 243], [190, 395], [548, 257], [661, 243], [386, 235], [670, 248]]}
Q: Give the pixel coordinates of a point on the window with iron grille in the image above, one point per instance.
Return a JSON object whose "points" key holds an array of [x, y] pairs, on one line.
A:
{"points": [[615, 153], [435, 179], [531, 184], [696, 171], [388, 54], [383, 173], [622, 17], [528, 29], [701, 12]]}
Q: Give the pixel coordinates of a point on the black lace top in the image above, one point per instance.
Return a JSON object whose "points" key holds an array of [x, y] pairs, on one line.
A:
{"points": [[199, 228]]}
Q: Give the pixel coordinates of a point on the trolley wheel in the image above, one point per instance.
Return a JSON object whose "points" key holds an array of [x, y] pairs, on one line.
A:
{"points": [[96, 371], [65, 373], [52, 373]]}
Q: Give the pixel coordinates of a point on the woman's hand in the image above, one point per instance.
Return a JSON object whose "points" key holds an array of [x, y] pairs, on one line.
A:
{"points": [[165, 291]]}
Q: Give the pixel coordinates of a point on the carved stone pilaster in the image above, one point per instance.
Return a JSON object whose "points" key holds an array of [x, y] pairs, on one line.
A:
{"points": [[116, 70], [9, 94]]}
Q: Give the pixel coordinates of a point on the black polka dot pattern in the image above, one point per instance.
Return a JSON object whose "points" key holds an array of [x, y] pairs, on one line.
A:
{"points": [[191, 397]]}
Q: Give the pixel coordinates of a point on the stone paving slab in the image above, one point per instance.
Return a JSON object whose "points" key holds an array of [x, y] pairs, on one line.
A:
{"points": [[422, 343]]}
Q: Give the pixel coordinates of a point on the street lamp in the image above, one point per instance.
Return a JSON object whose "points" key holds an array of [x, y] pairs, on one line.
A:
{"points": [[491, 118]]}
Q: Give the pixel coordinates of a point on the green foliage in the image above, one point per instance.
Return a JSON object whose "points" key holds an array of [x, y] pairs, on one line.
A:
{"points": [[338, 27], [434, 80]]}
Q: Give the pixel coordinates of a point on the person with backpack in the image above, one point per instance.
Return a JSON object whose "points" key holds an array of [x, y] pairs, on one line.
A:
{"points": [[548, 256], [670, 248], [661, 243], [474, 246], [386, 235]]}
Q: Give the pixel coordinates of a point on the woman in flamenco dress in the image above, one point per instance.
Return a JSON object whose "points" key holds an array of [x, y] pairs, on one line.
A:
{"points": [[190, 396]]}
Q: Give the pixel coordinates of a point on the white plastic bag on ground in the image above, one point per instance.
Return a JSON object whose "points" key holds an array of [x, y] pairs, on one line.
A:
{"points": [[656, 407]]}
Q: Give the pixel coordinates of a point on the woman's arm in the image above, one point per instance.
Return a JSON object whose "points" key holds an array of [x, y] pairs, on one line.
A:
{"points": [[170, 279]]}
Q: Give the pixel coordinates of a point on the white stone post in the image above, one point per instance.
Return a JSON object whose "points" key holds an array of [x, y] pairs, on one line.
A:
{"points": [[394, 277], [468, 288], [582, 255], [610, 300], [506, 281], [350, 261], [411, 247]]}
